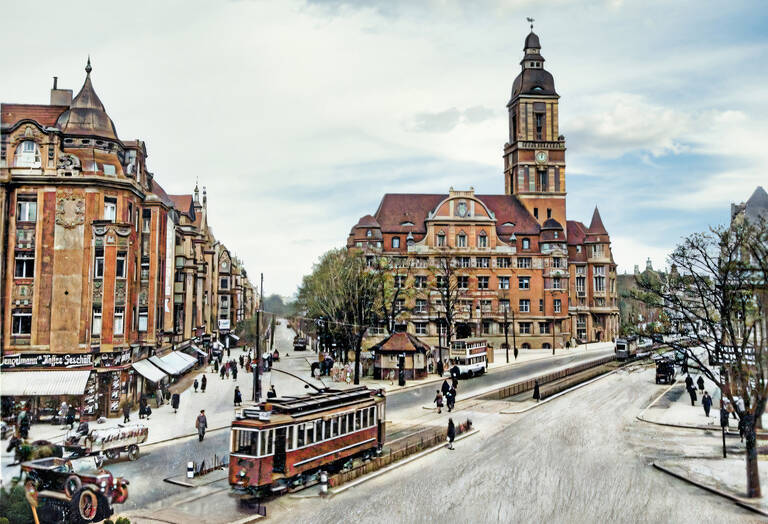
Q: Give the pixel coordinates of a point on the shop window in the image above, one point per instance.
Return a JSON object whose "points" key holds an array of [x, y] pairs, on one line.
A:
{"points": [[25, 264], [21, 322]]}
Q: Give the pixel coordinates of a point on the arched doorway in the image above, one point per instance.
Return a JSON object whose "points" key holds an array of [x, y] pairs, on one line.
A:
{"points": [[546, 345], [525, 345]]}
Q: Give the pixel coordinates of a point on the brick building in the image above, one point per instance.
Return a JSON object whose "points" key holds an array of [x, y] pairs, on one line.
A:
{"points": [[516, 252], [101, 268]]}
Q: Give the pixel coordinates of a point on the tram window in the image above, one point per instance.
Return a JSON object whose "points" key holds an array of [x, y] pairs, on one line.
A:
{"points": [[310, 433], [318, 430], [246, 442], [373, 415], [327, 430], [350, 422], [264, 445], [358, 422], [300, 435], [343, 425], [289, 437], [335, 426], [364, 415]]}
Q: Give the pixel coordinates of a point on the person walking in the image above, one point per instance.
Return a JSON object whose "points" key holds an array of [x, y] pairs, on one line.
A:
{"points": [[723, 414], [175, 402], [221, 372], [700, 383], [234, 372], [70, 421], [142, 406], [451, 433], [240, 358], [445, 388], [536, 392], [238, 396], [692, 393], [63, 409], [438, 401], [196, 385], [201, 424], [688, 382], [706, 402], [126, 412], [23, 422], [203, 383], [451, 400], [216, 366]]}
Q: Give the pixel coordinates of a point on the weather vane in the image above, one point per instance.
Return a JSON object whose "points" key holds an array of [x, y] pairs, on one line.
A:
{"points": [[530, 21]]}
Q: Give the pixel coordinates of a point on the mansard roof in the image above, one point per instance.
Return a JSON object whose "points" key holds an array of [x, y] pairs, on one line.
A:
{"points": [[44, 115]]}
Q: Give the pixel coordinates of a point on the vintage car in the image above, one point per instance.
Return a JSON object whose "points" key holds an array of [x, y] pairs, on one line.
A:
{"points": [[62, 494], [665, 371], [107, 442], [299, 343]]}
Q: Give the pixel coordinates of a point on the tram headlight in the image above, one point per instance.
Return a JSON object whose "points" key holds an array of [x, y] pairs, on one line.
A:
{"points": [[242, 473]]}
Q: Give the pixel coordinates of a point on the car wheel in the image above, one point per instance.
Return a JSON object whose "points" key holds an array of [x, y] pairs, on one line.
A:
{"points": [[133, 452], [84, 506], [72, 485], [112, 454]]}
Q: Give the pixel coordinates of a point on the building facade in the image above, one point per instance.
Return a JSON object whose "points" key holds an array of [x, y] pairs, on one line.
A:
{"points": [[101, 268], [518, 261]]}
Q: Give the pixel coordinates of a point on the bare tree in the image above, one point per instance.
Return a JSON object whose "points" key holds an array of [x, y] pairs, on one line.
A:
{"points": [[446, 283], [395, 289], [717, 295]]}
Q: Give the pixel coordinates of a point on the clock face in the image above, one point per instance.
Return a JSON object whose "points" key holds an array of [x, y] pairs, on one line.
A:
{"points": [[541, 156]]}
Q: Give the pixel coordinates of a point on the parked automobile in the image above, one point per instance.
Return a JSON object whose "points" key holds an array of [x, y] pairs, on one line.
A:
{"points": [[665, 371], [69, 496]]}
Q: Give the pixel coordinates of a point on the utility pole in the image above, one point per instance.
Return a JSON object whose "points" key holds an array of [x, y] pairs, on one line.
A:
{"points": [[553, 336], [257, 371], [506, 334], [514, 339]]}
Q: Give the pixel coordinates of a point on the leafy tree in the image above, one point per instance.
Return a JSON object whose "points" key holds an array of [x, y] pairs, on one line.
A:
{"points": [[718, 296], [14, 505], [346, 293]]}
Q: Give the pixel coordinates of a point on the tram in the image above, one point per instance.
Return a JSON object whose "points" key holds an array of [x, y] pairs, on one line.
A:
{"points": [[283, 443], [626, 348]]}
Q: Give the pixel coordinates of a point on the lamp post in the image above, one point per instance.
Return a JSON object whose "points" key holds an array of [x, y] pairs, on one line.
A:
{"points": [[506, 334]]}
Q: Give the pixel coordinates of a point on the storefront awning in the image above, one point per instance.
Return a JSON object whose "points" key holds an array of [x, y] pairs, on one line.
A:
{"points": [[148, 371], [198, 350], [43, 383], [174, 363], [233, 336]]}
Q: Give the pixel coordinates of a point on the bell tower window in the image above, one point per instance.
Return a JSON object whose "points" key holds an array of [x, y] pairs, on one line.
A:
{"points": [[539, 126]]}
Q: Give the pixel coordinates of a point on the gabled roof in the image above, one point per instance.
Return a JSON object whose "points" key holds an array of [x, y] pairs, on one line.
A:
{"points": [[508, 208], [576, 233], [401, 341], [44, 115], [596, 227], [183, 203]]}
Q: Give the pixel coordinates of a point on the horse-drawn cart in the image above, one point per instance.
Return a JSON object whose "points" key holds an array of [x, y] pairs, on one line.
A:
{"points": [[109, 443]]}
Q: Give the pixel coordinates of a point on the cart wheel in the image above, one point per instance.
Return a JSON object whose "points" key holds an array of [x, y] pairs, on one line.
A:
{"points": [[133, 452], [72, 485], [113, 454]]}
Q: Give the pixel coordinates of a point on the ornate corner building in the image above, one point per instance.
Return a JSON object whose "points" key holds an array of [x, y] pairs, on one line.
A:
{"points": [[101, 268], [516, 255]]}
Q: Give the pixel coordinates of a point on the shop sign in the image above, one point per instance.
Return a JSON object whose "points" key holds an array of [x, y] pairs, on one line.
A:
{"points": [[47, 360]]}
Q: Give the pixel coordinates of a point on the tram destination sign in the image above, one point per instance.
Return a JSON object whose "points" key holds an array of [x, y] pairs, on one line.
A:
{"points": [[47, 360]]}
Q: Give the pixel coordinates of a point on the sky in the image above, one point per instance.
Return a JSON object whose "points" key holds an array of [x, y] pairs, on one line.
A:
{"points": [[298, 115]]}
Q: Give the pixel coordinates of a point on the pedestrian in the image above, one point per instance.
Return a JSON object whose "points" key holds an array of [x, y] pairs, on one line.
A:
{"points": [[700, 383], [241, 360], [201, 424], [440, 369], [142, 406], [317, 373], [706, 402], [692, 393], [70, 416], [126, 412], [148, 411], [723, 415], [221, 372], [391, 377], [226, 372], [451, 400], [196, 385], [451, 433], [729, 408], [203, 383], [445, 387], [271, 393], [63, 409], [228, 352], [23, 422], [159, 397], [215, 366], [238, 396], [234, 372], [536, 392], [688, 382], [175, 402], [438, 401]]}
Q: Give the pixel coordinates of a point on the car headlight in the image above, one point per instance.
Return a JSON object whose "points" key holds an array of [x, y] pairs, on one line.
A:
{"points": [[103, 485]]}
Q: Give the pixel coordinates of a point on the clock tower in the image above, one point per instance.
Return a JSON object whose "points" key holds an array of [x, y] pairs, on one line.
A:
{"points": [[534, 157]]}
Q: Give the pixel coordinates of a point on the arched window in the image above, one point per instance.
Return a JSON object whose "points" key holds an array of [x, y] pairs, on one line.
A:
{"points": [[482, 239], [440, 239], [525, 345], [461, 240], [27, 154]]}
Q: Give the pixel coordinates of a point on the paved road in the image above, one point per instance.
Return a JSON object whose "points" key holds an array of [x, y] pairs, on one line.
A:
{"points": [[580, 458]]}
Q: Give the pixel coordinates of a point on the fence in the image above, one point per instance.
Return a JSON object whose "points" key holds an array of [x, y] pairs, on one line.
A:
{"points": [[205, 466], [526, 385], [403, 448]]}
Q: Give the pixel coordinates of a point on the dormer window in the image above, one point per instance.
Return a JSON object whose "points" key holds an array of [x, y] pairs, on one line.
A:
{"points": [[482, 239], [368, 233], [27, 154], [526, 243], [395, 242]]}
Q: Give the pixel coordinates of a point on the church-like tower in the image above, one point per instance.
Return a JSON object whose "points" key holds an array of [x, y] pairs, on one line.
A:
{"points": [[534, 157]]}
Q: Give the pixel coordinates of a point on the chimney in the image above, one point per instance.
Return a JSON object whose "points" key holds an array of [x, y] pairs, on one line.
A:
{"points": [[60, 97]]}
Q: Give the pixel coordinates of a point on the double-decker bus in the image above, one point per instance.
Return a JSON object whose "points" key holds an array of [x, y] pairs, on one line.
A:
{"points": [[469, 355]]}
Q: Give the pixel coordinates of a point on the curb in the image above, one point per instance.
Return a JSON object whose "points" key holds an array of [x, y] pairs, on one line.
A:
{"points": [[556, 395], [733, 498]]}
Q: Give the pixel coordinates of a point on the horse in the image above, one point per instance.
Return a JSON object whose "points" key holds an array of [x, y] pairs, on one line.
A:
{"points": [[24, 451]]}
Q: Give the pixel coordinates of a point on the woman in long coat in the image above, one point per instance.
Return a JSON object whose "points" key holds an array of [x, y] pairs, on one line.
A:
{"points": [[451, 433], [238, 396]]}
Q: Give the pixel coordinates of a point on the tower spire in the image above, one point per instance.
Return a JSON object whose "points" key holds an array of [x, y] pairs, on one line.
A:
{"points": [[530, 21], [88, 67]]}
